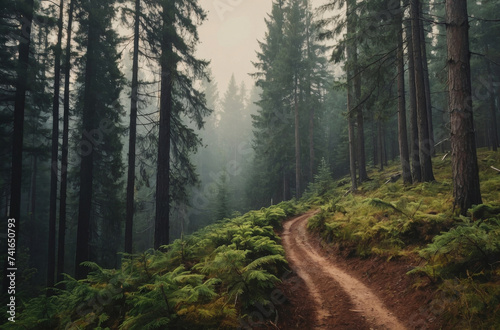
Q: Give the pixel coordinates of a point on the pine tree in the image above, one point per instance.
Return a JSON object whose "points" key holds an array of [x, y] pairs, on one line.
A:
{"points": [[403, 134], [422, 111], [51, 264], [7, 95], [414, 138], [466, 189], [350, 51], [129, 218], [61, 244], [273, 153], [290, 76], [172, 36], [26, 17], [99, 145]]}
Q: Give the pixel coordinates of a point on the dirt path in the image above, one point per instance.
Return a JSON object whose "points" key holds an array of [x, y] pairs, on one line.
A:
{"points": [[340, 300]]}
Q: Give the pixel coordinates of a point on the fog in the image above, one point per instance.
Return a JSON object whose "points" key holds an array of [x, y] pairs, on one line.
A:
{"points": [[229, 36]]}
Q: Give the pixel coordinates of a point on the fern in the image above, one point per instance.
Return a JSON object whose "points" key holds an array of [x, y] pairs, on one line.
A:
{"points": [[205, 280]]}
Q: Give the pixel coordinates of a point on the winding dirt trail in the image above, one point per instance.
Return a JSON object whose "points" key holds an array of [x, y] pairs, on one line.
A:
{"points": [[340, 300]]}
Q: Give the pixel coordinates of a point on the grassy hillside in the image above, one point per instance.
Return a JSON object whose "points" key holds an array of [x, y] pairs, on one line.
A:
{"points": [[459, 256], [209, 280], [221, 275]]}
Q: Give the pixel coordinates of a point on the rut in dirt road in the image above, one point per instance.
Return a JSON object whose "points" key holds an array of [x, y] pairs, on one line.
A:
{"points": [[341, 301]]}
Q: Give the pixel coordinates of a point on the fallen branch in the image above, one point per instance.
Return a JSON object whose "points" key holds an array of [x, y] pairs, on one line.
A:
{"points": [[445, 155], [394, 178], [496, 169]]}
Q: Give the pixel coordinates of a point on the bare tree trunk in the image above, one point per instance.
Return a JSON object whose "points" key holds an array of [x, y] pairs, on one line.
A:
{"points": [[466, 188], [83, 252], [381, 146], [360, 138], [311, 108], [51, 262], [350, 4], [32, 205], [493, 115], [374, 140], [311, 144], [402, 132], [415, 152], [64, 159], [18, 129], [427, 86], [129, 222], [298, 167], [162, 220], [423, 127]]}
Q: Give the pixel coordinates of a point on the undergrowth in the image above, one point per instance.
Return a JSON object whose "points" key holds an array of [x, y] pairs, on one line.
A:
{"points": [[460, 256], [209, 280]]}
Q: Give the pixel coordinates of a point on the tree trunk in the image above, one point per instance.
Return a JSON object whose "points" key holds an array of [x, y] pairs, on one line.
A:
{"points": [[311, 108], [61, 245], [19, 107], [167, 62], [374, 140], [466, 189], [493, 115], [298, 167], [51, 262], [87, 156], [360, 136], [423, 127], [32, 208], [415, 153], [129, 222], [311, 144], [427, 86], [18, 129], [381, 146], [402, 132], [350, 93]]}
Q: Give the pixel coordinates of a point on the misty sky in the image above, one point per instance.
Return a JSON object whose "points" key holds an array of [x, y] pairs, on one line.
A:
{"points": [[229, 37]]}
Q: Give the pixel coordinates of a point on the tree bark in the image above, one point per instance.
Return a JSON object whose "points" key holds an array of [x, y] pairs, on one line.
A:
{"points": [[61, 245], [381, 145], [32, 205], [493, 115], [415, 153], [423, 126], [18, 129], [298, 166], [311, 107], [427, 85], [51, 263], [374, 139], [129, 222], [402, 132], [466, 188], [167, 63], [311, 143], [19, 107], [87, 149], [360, 136], [350, 94]]}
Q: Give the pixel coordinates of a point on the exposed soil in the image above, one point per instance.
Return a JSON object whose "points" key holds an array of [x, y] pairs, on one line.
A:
{"points": [[328, 291]]}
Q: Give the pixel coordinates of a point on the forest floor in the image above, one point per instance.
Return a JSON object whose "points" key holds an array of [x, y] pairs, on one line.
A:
{"points": [[329, 291]]}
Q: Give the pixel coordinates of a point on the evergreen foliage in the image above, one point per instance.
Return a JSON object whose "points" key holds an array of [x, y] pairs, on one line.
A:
{"points": [[104, 138], [323, 182], [208, 280], [291, 70]]}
